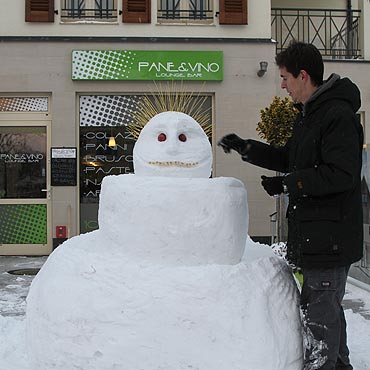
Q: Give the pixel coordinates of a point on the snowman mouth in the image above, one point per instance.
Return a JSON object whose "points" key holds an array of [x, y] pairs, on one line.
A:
{"points": [[174, 164]]}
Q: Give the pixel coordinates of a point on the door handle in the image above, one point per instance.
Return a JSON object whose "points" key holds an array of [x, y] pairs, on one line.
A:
{"points": [[47, 191]]}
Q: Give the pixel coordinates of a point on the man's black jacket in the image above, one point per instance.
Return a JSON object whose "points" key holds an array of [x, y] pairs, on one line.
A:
{"points": [[323, 162]]}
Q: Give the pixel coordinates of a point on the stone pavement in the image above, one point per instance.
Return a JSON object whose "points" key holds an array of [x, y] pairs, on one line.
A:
{"points": [[17, 272]]}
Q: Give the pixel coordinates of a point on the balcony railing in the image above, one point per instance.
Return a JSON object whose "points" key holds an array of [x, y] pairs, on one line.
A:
{"points": [[185, 10], [100, 10], [335, 32]]}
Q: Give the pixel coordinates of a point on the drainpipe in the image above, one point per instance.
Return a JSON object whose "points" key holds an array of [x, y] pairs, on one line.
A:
{"points": [[365, 29], [349, 29]]}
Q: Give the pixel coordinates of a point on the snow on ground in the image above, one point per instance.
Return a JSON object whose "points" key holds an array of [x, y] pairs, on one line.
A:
{"points": [[13, 344]]}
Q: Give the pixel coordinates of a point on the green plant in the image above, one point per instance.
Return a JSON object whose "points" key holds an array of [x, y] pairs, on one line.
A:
{"points": [[299, 276], [277, 120]]}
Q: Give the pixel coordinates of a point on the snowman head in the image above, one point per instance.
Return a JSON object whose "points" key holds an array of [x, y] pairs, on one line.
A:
{"points": [[173, 144]]}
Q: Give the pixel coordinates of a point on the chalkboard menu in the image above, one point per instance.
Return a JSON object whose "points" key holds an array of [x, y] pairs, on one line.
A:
{"points": [[63, 166]]}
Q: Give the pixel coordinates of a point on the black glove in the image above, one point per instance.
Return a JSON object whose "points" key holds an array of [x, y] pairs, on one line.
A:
{"points": [[273, 185], [233, 141]]}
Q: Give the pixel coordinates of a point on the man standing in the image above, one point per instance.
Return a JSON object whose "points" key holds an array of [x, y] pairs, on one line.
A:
{"points": [[322, 161]]}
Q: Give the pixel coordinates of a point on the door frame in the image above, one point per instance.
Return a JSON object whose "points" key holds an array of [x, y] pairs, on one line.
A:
{"points": [[31, 119]]}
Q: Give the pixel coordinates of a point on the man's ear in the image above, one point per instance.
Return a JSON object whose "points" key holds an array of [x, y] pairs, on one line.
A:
{"points": [[303, 74]]}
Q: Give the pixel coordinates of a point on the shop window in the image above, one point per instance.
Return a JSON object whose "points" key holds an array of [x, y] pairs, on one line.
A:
{"points": [[109, 116], [22, 149], [39, 11], [23, 224], [185, 11], [20, 104], [89, 10], [22, 162], [233, 12]]}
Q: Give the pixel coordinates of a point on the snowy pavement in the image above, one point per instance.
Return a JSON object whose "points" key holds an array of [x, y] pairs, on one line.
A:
{"points": [[14, 289]]}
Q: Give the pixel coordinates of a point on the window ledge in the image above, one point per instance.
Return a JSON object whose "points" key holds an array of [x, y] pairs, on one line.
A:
{"points": [[169, 23], [87, 22]]}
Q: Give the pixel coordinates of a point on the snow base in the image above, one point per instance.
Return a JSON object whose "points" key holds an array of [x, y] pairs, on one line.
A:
{"points": [[125, 316]]}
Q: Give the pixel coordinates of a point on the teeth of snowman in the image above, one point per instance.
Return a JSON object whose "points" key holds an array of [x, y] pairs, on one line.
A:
{"points": [[174, 163]]}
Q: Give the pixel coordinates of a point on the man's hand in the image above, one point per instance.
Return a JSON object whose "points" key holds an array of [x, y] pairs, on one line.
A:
{"points": [[233, 141], [273, 185]]}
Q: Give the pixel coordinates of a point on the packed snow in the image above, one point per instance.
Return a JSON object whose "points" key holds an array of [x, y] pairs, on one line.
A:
{"points": [[191, 292], [13, 350]]}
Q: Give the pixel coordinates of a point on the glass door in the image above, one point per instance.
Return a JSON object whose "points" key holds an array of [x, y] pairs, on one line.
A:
{"points": [[25, 224]]}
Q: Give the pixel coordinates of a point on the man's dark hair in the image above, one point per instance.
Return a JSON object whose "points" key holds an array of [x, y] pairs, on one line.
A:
{"points": [[300, 55]]}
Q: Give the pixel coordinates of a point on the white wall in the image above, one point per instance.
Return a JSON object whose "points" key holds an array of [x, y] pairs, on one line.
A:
{"points": [[321, 4]]}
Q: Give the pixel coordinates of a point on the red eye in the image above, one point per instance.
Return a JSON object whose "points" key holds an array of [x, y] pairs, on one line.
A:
{"points": [[162, 137], [182, 137]]}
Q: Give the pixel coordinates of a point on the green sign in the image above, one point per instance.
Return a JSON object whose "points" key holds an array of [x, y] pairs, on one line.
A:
{"points": [[147, 65]]}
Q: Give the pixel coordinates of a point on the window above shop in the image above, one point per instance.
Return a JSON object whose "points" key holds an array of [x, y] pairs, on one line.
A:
{"points": [[185, 11], [234, 12], [89, 10], [202, 11], [23, 104]]}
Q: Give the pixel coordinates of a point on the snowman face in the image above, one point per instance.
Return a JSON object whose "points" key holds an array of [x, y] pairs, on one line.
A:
{"points": [[173, 144]]}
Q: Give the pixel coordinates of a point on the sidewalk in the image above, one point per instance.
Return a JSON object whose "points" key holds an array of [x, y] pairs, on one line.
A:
{"points": [[14, 287]]}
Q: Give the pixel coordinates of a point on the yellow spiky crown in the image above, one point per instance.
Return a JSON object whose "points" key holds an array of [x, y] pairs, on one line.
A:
{"points": [[171, 98]]}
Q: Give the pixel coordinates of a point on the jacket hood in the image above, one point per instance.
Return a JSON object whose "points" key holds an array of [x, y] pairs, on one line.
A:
{"points": [[335, 88]]}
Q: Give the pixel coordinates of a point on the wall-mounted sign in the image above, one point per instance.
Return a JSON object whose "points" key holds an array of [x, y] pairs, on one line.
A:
{"points": [[147, 65], [63, 166]]}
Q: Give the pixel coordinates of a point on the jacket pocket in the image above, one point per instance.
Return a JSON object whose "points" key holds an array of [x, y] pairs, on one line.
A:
{"points": [[319, 226]]}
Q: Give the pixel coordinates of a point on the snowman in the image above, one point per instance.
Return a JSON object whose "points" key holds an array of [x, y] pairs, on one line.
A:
{"points": [[170, 280]]}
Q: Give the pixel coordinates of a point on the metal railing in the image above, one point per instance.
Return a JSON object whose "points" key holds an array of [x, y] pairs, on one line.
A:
{"points": [[185, 10], [335, 32], [103, 10]]}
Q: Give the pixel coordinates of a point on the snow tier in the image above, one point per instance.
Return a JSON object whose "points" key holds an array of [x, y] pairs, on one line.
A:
{"points": [[179, 221], [93, 310]]}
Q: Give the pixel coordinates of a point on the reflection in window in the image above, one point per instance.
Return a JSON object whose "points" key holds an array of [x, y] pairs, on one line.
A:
{"points": [[22, 162], [185, 10], [170, 9], [74, 10], [98, 160]]}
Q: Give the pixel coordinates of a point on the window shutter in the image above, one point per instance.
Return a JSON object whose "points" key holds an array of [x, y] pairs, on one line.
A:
{"points": [[39, 10], [136, 11], [233, 11]]}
